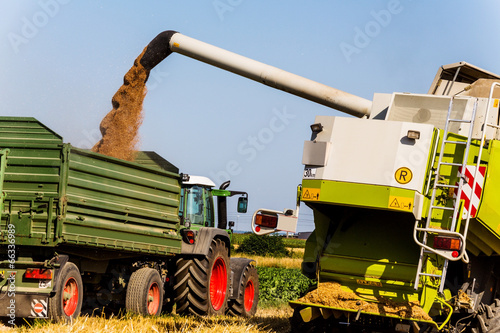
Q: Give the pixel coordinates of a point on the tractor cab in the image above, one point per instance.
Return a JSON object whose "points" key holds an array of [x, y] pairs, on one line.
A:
{"points": [[197, 207]]}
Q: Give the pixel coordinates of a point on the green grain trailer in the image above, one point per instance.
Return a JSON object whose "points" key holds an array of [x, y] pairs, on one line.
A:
{"points": [[80, 228], [405, 199]]}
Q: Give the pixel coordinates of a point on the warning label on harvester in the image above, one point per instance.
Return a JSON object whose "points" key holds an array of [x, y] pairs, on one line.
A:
{"points": [[311, 194], [403, 175], [401, 203]]}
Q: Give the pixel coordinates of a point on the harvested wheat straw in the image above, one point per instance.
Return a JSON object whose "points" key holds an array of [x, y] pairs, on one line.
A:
{"points": [[330, 294]]}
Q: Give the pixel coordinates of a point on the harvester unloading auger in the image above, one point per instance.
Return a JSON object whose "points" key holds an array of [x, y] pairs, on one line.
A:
{"points": [[171, 41], [405, 200]]}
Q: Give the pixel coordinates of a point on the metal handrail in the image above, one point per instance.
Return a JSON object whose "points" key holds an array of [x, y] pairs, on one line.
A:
{"points": [[478, 163]]}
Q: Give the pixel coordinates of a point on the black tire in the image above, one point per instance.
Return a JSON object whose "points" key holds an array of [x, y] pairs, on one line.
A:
{"points": [[69, 285], [245, 304], [489, 320], [201, 283], [145, 292]]}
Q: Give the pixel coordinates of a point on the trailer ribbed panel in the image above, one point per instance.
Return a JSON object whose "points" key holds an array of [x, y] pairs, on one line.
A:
{"points": [[108, 199], [32, 176], [58, 195], [32, 172], [26, 131], [97, 184]]}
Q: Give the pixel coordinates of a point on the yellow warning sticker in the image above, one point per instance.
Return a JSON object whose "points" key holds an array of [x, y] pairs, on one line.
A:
{"points": [[403, 175], [401, 203], [495, 103], [369, 283], [311, 194]]}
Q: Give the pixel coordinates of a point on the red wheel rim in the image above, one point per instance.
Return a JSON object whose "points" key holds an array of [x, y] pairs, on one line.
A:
{"points": [[249, 296], [70, 297], [153, 298], [218, 284]]}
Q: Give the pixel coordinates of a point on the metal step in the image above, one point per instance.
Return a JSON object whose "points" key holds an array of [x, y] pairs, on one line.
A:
{"points": [[431, 275], [460, 121], [452, 164], [448, 186], [443, 208], [456, 142]]}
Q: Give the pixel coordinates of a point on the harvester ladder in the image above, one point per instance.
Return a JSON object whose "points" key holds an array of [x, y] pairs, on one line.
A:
{"points": [[434, 205]]}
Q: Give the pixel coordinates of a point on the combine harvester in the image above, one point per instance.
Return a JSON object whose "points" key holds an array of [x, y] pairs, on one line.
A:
{"points": [[401, 242]]}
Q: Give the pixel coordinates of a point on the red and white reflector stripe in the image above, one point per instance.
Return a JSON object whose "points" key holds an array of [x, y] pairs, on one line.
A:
{"points": [[467, 193]]}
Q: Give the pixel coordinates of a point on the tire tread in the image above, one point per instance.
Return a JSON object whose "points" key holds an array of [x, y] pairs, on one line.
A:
{"points": [[192, 281]]}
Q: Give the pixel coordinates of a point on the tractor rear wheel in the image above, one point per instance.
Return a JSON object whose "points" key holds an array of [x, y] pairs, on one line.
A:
{"points": [[66, 304], [145, 292], [245, 304], [201, 283]]}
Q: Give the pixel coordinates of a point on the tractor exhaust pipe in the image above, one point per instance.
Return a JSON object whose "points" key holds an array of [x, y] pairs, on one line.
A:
{"points": [[171, 41]]}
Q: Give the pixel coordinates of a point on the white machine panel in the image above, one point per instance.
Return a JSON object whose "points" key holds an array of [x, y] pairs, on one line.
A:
{"points": [[369, 152], [431, 109]]}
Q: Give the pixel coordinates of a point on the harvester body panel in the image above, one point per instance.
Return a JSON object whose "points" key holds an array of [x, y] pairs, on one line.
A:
{"points": [[369, 152]]}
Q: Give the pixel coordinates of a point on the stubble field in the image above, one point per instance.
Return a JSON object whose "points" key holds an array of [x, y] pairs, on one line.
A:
{"points": [[270, 319], [279, 277]]}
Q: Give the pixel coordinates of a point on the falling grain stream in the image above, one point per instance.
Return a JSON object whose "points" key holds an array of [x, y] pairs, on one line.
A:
{"points": [[120, 127]]}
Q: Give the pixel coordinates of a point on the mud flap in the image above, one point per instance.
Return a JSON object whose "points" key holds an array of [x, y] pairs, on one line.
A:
{"points": [[39, 307], [25, 306]]}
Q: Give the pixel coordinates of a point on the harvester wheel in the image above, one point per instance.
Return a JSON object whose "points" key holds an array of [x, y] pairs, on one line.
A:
{"points": [[145, 292], [489, 320], [245, 304], [201, 283], [66, 304]]}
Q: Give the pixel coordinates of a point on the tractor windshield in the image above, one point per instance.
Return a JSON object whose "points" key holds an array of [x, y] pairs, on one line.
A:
{"points": [[198, 208]]}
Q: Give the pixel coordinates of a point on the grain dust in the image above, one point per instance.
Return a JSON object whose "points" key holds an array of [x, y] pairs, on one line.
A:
{"points": [[330, 294], [120, 127]]}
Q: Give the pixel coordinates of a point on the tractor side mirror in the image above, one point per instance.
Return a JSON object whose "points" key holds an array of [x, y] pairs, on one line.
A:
{"points": [[242, 204]]}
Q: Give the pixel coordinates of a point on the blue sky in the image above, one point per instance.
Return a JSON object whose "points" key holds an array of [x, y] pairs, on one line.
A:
{"points": [[61, 61]]}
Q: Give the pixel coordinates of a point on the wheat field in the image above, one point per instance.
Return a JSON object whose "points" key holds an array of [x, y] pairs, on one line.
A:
{"points": [[294, 261]]}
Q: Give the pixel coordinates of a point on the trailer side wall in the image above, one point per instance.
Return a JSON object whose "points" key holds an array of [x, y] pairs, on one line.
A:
{"points": [[58, 195]]}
